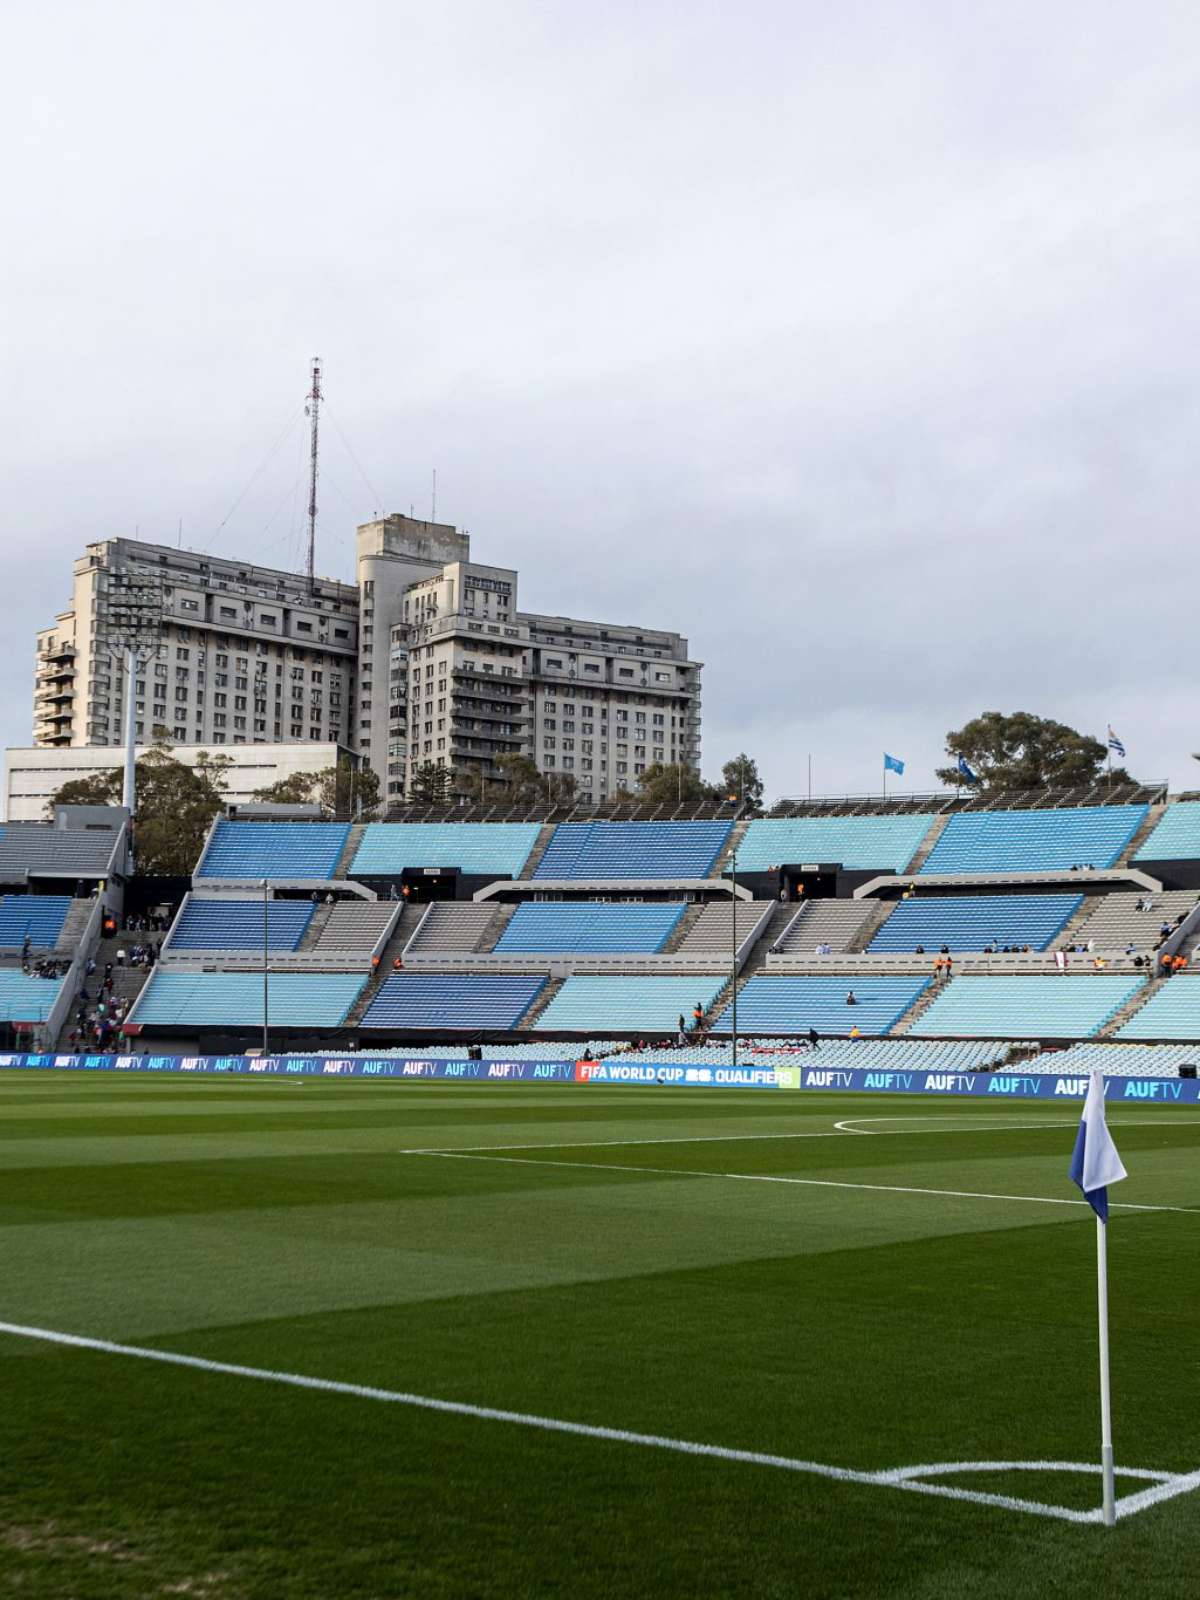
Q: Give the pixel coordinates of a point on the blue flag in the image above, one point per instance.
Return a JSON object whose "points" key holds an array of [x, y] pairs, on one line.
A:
{"points": [[893, 764], [1095, 1162], [965, 772]]}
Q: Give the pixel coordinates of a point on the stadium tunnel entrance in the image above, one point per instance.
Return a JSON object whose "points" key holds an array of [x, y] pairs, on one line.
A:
{"points": [[808, 880]]}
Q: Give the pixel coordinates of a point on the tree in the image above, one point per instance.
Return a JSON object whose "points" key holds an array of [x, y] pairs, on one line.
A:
{"points": [[741, 781], [346, 792], [1022, 751], [431, 784], [674, 785], [175, 805]]}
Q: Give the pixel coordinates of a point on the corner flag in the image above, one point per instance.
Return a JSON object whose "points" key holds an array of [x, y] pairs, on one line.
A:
{"points": [[1095, 1162]]}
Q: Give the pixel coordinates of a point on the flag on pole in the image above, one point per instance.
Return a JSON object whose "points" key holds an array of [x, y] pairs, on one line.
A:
{"points": [[893, 764], [965, 772], [1114, 744], [1095, 1162]]}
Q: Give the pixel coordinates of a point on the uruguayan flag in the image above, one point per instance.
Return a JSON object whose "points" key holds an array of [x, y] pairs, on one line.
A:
{"points": [[1095, 1163], [1115, 744], [965, 771]]}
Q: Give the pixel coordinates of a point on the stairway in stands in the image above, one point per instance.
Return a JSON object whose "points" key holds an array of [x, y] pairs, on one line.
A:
{"points": [[937, 828], [917, 1010], [1132, 1006], [540, 846], [406, 926], [1153, 818]]}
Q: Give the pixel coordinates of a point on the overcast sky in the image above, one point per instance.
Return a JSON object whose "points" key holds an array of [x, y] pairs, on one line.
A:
{"points": [[857, 342]]}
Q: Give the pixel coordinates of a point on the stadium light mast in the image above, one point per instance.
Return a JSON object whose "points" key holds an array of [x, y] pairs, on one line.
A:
{"points": [[266, 1033], [733, 953], [129, 627], [314, 413]]}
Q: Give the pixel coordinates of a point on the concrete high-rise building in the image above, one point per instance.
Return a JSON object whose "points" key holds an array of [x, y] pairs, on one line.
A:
{"points": [[247, 655], [471, 678], [426, 659]]}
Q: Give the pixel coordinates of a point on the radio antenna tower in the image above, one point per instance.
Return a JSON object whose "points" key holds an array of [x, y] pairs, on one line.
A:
{"points": [[314, 412]]}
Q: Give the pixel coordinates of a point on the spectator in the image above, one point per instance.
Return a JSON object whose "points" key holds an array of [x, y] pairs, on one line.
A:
{"points": [[850, 1000], [855, 1032], [814, 1039]]}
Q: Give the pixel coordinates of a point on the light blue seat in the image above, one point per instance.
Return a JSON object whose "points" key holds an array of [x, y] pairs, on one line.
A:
{"points": [[1121, 1060], [304, 850], [40, 916], [1035, 841], [25, 999], [1176, 837], [633, 850], [235, 999], [482, 849], [1027, 1007], [485, 1001], [600, 1005], [238, 924], [860, 844], [595, 927], [794, 1005], [969, 922], [1171, 1012]]}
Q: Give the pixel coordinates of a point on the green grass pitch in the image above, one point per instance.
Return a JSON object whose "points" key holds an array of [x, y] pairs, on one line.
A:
{"points": [[602, 1257]]}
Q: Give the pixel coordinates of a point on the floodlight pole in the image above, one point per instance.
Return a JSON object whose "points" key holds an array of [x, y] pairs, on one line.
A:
{"points": [[266, 1037], [129, 787], [733, 954]]}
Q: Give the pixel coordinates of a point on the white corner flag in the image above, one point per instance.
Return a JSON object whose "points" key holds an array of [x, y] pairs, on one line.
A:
{"points": [[1094, 1165]]}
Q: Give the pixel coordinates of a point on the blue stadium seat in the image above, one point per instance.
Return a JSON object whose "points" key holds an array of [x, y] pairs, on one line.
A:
{"points": [[25, 999], [794, 1005], [483, 849], [489, 1001], [860, 844], [1176, 837], [235, 999], [40, 916], [593, 926], [238, 924], [1171, 1012], [597, 1005], [968, 922], [306, 850], [1026, 1008], [633, 850], [1035, 841]]}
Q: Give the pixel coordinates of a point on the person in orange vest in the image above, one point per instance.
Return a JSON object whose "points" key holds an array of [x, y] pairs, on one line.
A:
{"points": [[1180, 963], [398, 965], [1165, 965]]}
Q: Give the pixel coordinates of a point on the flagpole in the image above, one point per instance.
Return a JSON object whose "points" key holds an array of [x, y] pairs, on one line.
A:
{"points": [[1106, 1445]]}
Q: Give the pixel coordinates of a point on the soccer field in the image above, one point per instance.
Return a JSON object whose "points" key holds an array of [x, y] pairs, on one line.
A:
{"points": [[747, 1316]]}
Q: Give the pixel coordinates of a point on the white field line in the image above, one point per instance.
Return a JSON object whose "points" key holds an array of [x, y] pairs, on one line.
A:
{"points": [[901, 1478], [760, 1177]]}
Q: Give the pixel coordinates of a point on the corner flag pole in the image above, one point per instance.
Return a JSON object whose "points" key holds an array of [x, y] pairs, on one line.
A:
{"points": [[1106, 1444]]}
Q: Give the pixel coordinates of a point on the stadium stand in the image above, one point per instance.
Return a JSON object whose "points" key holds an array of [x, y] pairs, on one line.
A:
{"points": [[1176, 836], [355, 927], [1116, 922], [883, 843], [190, 1000], [603, 1004], [454, 927], [634, 851], [223, 924], [1026, 1007], [38, 917], [481, 849], [43, 849], [794, 1005], [296, 851], [1171, 1012], [598, 927], [969, 922], [1033, 841], [1120, 1060], [884, 1055], [837, 923], [491, 1002], [26, 999], [713, 930]]}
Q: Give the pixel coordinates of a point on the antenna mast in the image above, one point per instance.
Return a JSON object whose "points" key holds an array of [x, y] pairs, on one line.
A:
{"points": [[314, 412]]}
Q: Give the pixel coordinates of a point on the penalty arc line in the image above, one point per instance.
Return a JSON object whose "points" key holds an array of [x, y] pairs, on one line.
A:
{"points": [[888, 1478]]}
